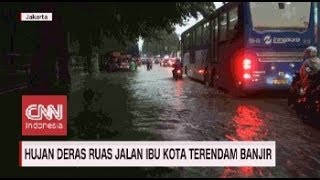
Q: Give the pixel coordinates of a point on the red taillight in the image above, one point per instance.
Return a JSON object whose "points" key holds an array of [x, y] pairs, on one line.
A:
{"points": [[247, 64], [246, 76], [201, 71]]}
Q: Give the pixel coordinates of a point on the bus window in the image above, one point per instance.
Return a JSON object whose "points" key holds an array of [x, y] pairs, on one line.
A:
{"points": [[194, 37], [198, 35], [190, 41], [212, 31], [216, 36], [186, 40], [223, 27], [212, 40], [183, 41], [233, 20], [206, 33], [289, 16]]}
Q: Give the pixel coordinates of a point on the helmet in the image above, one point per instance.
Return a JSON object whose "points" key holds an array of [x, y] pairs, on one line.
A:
{"points": [[311, 51]]}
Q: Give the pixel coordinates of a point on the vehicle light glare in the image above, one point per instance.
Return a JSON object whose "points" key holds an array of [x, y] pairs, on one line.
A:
{"points": [[246, 76], [246, 64], [201, 71], [288, 76]]}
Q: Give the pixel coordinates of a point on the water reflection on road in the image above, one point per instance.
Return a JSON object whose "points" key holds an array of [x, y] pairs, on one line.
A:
{"points": [[187, 110]]}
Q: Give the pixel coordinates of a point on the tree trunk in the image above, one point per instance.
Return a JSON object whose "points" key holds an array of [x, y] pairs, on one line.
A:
{"points": [[50, 67]]}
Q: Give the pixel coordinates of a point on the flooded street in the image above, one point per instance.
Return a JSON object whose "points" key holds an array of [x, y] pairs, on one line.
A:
{"points": [[103, 72], [189, 111]]}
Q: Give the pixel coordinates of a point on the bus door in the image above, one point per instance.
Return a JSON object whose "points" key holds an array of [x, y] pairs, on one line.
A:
{"points": [[223, 50]]}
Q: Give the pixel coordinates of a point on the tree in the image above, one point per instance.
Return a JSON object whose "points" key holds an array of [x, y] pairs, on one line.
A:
{"points": [[112, 44], [45, 42], [127, 21], [132, 48], [84, 22], [124, 21], [162, 43]]}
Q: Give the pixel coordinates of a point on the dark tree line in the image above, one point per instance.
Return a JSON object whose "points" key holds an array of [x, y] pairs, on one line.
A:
{"points": [[85, 23]]}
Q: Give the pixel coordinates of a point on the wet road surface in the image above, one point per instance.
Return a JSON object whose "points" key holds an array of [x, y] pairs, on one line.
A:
{"points": [[188, 110]]}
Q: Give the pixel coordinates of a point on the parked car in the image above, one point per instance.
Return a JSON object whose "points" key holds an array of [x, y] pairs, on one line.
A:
{"points": [[124, 65]]}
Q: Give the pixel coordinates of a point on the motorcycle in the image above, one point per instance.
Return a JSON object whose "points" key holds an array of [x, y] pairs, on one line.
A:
{"points": [[293, 91], [177, 74], [306, 100]]}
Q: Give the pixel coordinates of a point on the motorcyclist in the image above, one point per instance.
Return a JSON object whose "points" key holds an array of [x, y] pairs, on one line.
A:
{"points": [[177, 66], [309, 68]]}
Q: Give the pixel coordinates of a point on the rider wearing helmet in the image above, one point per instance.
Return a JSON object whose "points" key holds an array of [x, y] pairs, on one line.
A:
{"points": [[177, 65], [310, 67]]}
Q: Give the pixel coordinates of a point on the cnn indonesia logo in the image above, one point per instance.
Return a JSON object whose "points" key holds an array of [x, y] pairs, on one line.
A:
{"points": [[42, 111], [44, 115]]}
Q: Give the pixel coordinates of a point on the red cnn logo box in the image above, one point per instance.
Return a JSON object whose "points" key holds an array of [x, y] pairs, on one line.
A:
{"points": [[44, 115]]}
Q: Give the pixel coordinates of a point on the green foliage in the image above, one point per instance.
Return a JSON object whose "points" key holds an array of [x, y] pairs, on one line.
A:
{"points": [[112, 44], [162, 43], [123, 21]]}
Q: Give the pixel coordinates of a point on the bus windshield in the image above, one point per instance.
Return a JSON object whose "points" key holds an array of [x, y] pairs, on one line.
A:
{"points": [[273, 16]]}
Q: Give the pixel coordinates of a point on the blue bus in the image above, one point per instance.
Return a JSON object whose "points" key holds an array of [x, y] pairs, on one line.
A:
{"points": [[249, 46]]}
